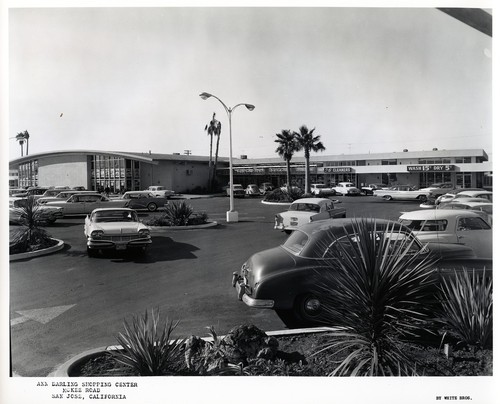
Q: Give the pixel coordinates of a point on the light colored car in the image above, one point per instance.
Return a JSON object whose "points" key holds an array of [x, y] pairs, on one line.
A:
{"points": [[370, 188], [238, 191], [42, 214], [346, 189], [115, 229], [402, 193], [482, 207], [307, 210], [488, 195], [266, 187], [451, 226], [289, 278], [252, 190], [438, 189], [158, 190], [84, 203], [451, 194], [321, 190], [61, 196], [144, 200]]}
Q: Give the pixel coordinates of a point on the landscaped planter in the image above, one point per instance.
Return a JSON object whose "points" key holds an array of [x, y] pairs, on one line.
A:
{"points": [[162, 229], [38, 253]]}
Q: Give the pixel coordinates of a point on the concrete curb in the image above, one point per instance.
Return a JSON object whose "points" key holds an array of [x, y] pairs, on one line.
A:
{"points": [[163, 229], [38, 253], [65, 369], [276, 203]]}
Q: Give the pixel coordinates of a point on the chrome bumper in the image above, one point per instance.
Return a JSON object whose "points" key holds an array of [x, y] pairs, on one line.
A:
{"points": [[239, 284]]}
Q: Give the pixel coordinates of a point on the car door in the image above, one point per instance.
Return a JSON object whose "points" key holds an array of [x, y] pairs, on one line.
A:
{"points": [[74, 205], [474, 232], [93, 202]]}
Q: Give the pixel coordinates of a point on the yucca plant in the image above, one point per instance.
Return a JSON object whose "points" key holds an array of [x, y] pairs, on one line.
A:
{"points": [[467, 307], [377, 292], [148, 347], [178, 213]]}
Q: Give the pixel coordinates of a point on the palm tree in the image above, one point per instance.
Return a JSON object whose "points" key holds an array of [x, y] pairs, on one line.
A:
{"points": [[26, 137], [213, 128], [287, 146], [307, 142]]}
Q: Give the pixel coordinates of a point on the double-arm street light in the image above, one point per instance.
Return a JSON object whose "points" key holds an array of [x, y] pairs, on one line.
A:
{"points": [[231, 215]]}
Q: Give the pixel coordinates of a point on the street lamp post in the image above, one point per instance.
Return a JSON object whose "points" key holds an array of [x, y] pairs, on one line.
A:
{"points": [[231, 215]]}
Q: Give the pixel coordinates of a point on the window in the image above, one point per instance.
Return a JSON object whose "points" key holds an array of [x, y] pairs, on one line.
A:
{"points": [[296, 242], [391, 162], [425, 225], [463, 160], [472, 223]]}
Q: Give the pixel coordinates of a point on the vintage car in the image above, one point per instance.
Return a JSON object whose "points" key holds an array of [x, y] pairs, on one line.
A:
{"points": [[438, 189], [482, 207], [402, 193], [252, 190], [159, 190], [451, 226], [115, 229], [31, 191], [288, 278], [84, 203], [488, 195], [42, 214], [448, 196], [346, 189], [238, 191], [61, 196], [321, 190], [307, 210], [266, 187], [370, 188], [144, 200]]}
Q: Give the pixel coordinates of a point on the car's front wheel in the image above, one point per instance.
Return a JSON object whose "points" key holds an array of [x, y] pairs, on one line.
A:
{"points": [[422, 198], [152, 206], [387, 197]]}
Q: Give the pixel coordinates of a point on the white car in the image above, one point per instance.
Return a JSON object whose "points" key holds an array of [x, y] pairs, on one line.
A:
{"points": [[84, 203], [488, 195], [370, 188], [320, 190], [42, 214], [482, 207], [158, 190], [346, 188], [307, 210], [451, 226], [61, 196], [115, 229], [402, 193]]}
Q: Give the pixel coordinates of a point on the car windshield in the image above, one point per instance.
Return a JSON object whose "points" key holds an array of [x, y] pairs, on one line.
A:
{"points": [[305, 207], [115, 216], [320, 186]]}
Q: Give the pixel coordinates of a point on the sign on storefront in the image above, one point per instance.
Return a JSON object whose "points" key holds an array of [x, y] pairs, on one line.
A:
{"points": [[337, 170], [436, 167]]}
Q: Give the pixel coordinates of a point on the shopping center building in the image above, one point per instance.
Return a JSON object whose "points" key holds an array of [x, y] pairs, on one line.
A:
{"points": [[121, 171]]}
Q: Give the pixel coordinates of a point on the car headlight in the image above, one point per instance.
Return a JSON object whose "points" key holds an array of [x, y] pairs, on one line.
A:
{"points": [[278, 219], [144, 232], [97, 234]]}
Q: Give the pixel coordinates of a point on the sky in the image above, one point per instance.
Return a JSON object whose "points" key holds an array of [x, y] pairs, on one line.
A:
{"points": [[128, 79]]}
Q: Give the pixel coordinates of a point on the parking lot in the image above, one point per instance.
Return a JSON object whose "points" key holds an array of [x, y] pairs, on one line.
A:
{"points": [[65, 303]]}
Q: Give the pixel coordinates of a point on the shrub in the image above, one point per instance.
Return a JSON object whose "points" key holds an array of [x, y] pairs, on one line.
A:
{"points": [[279, 195], [147, 346], [377, 294], [178, 214], [467, 308]]}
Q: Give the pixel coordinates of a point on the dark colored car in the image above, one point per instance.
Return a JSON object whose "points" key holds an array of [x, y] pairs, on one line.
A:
{"points": [[287, 278]]}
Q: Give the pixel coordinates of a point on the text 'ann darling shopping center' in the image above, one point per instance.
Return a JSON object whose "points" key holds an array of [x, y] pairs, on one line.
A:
{"points": [[120, 171]]}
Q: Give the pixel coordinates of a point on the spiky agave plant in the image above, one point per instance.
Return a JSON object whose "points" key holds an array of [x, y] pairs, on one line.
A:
{"points": [[178, 213], [467, 307], [377, 292], [148, 347]]}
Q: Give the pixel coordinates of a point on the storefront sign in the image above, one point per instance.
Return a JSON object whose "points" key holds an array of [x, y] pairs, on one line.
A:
{"points": [[338, 170], [438, 167]]}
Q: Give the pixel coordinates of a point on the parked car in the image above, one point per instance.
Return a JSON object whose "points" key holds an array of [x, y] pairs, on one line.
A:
{"points": [[266, 187], [488, 195], [288, 278], [252, 190], [115, 229], [238, 191], [31, 191], [439, 188], [84, 203], [451, 194], [158, 190], [482, 207], [144, 200], [43, 214], [402, 193], [451, 226], [61, 196], [307, 210], [370, 188], [321, 190], [346, 189]]}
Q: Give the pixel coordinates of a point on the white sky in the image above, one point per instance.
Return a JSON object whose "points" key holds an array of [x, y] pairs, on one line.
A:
{"points": [[369, 80]]}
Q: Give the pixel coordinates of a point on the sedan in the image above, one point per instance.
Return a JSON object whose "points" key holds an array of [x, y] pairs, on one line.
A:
{"points": [[238, 191], [82, 204], [252, 190], [42, 214], [144, 200], [288, 278], [402, 193], [115, 229], [307, 210], [451, 226]]}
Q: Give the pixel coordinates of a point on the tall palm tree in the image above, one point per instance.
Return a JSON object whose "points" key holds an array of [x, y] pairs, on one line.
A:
{"points": [[211, 129], [217, 133], [20, 138], [307, 142], [26, 137], [287, 146]]}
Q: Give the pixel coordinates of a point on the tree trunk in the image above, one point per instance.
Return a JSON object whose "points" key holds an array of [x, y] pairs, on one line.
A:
{"points": [[215, 163], [288, 176], [307, 189]]}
